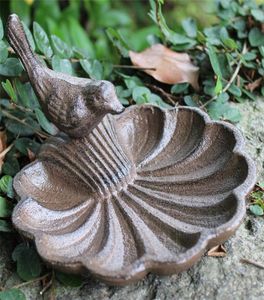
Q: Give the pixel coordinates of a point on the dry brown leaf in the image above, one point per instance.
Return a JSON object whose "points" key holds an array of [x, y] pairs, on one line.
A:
{"points": [[217, 251], [3, 146], [31, 155], [170, 67], [3, 140], [253, 85]]}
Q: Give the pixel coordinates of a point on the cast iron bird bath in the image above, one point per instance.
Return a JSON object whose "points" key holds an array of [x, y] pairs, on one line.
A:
{"points": [[145, 190]]}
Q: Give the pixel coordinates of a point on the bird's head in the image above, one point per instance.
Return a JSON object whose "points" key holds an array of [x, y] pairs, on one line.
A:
{"points": [[101, 95]]}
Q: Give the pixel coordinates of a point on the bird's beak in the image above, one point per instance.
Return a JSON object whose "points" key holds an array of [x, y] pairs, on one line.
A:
{"points": [[117, 108]]}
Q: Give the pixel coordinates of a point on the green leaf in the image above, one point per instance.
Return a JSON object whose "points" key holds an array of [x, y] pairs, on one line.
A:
{"points": [[249, 56], [69, 279], [79, 38], [190, 27], [141, 94], [12, 294], [28, 127], [256, 37], [11, 165], [230, 43], [235, 90], [214, 61], [1, 29], [5, 227], [6, 186], [7, 86], [93, 68], [42, 40], [175, 38], [232, 114], [28, 262], [118, 41], [3, 52], [179, 88], [218, 87], [11, 67], [23, 144], [5, 208], [44, 123], [188, 100], [29, 36], [256, 210], [132, 82], [22, 9], [61, 48], [258, 14], [61, 65]]}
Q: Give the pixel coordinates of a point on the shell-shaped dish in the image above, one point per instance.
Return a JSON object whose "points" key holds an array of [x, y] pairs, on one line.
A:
{"points": [[146, 191]]}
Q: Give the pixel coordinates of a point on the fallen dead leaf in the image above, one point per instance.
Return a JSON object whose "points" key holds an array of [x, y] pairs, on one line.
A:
{"points": [[3, 140], [217, 251], [31, 155], [253, 85], [169, 66], [3, 146]]}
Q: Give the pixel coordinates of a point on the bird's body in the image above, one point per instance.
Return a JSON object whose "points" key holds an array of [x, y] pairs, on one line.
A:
{"points": [[75, 105]]}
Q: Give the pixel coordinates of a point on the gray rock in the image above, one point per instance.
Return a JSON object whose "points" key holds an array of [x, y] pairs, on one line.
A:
{"points": [[211, 278]]}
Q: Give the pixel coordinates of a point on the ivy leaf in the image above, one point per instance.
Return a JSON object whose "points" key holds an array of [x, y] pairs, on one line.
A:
{"points": [[5, 208], [7, 86], [118, 41], [42, 40], [232, 114], [188, 100], [236, 91], [28, 127], [256, 210], [230, 43], [11, 67], [44, 123], [258, 14], [79, 37], [190, 27], [25, 144], [69, 279], [218, 87], [3, 52], [61, 65], [12, 294], [141, 94], [61, 48], [5, 226], [28, 262], [214, 60], [179, 88], [6, 186], [256, 37], [93, 68], [1, 29]]}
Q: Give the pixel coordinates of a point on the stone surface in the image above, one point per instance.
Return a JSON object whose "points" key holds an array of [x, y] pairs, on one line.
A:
{"points": [[211, 278]]}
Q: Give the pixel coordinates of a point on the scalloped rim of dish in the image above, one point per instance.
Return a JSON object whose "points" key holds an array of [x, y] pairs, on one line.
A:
{"points": [[207, 239]]}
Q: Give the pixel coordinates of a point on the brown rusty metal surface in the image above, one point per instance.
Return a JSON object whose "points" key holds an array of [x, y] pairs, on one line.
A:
{"points": [[147, 190]]}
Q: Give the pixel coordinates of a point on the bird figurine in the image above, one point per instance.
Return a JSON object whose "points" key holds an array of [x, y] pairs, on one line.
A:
{"points": [[75, 105]]}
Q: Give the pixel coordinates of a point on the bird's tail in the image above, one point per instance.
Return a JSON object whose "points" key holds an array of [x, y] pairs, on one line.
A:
{"points": [[18, 41]]}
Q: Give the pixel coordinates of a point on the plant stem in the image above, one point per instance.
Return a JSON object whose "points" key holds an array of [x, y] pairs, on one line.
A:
{"points": [[3, 153], [231, 80], [252, 262], [39, 132], [159, 90], [133, 67], [31, 281]]}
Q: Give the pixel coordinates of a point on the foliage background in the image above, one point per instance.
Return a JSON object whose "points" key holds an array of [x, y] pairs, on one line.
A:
{"points": [[92, 39]]}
